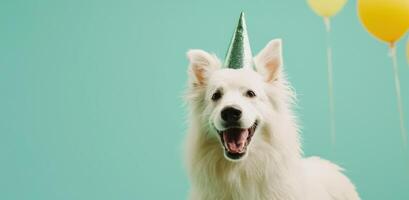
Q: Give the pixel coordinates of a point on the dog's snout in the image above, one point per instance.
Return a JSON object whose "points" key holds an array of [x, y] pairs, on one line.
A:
{"points": [[231, 114]]}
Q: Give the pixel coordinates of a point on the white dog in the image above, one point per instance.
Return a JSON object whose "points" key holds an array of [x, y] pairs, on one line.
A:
{"points": [[243, 141]]}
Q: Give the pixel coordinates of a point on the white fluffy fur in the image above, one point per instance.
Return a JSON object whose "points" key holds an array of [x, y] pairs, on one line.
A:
{"points": [[273, 168]]}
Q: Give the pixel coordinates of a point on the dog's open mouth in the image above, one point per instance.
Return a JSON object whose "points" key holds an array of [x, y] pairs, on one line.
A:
{"points": [[235, 140]]}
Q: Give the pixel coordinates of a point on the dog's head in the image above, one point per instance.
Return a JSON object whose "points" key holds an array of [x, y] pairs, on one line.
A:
{"points": [[233, 103]]}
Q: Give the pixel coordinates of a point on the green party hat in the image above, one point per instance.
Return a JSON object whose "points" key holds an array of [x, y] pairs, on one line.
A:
{"points": [[239, 53]]}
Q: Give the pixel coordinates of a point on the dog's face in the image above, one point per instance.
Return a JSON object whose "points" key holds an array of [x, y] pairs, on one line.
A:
{"points": [[234, 101]]}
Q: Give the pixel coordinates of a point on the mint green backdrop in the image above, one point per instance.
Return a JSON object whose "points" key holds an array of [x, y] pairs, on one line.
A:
{"points": [[91, 94]]}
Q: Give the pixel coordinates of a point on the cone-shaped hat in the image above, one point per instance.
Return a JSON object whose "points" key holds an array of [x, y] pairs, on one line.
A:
{"points": [[239, 53]]}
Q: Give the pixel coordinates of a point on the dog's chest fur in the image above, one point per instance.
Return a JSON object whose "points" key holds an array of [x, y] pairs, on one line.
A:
{"points": [[255, 178]]}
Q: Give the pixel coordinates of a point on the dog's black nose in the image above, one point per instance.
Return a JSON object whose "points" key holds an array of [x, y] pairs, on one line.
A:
{"points": [[231, 114]]}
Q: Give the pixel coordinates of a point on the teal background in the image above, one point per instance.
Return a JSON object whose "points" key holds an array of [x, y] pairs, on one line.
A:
{"points": [[91, 94]]}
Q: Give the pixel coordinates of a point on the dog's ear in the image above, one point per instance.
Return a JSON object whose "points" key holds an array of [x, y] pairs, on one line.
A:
{"points": [[269, 61], [201, 65]]}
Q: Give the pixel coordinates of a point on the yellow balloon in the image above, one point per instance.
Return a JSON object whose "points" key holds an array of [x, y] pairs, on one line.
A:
{"points": [[387, 20], [326, 8]]}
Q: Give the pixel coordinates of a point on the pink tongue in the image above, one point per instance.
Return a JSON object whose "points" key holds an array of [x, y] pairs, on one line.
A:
{"points": [[235, 139]]}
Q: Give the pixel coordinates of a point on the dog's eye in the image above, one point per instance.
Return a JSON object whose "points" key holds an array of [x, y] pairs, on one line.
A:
{"points": [[250, 93], [217, 95]]}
